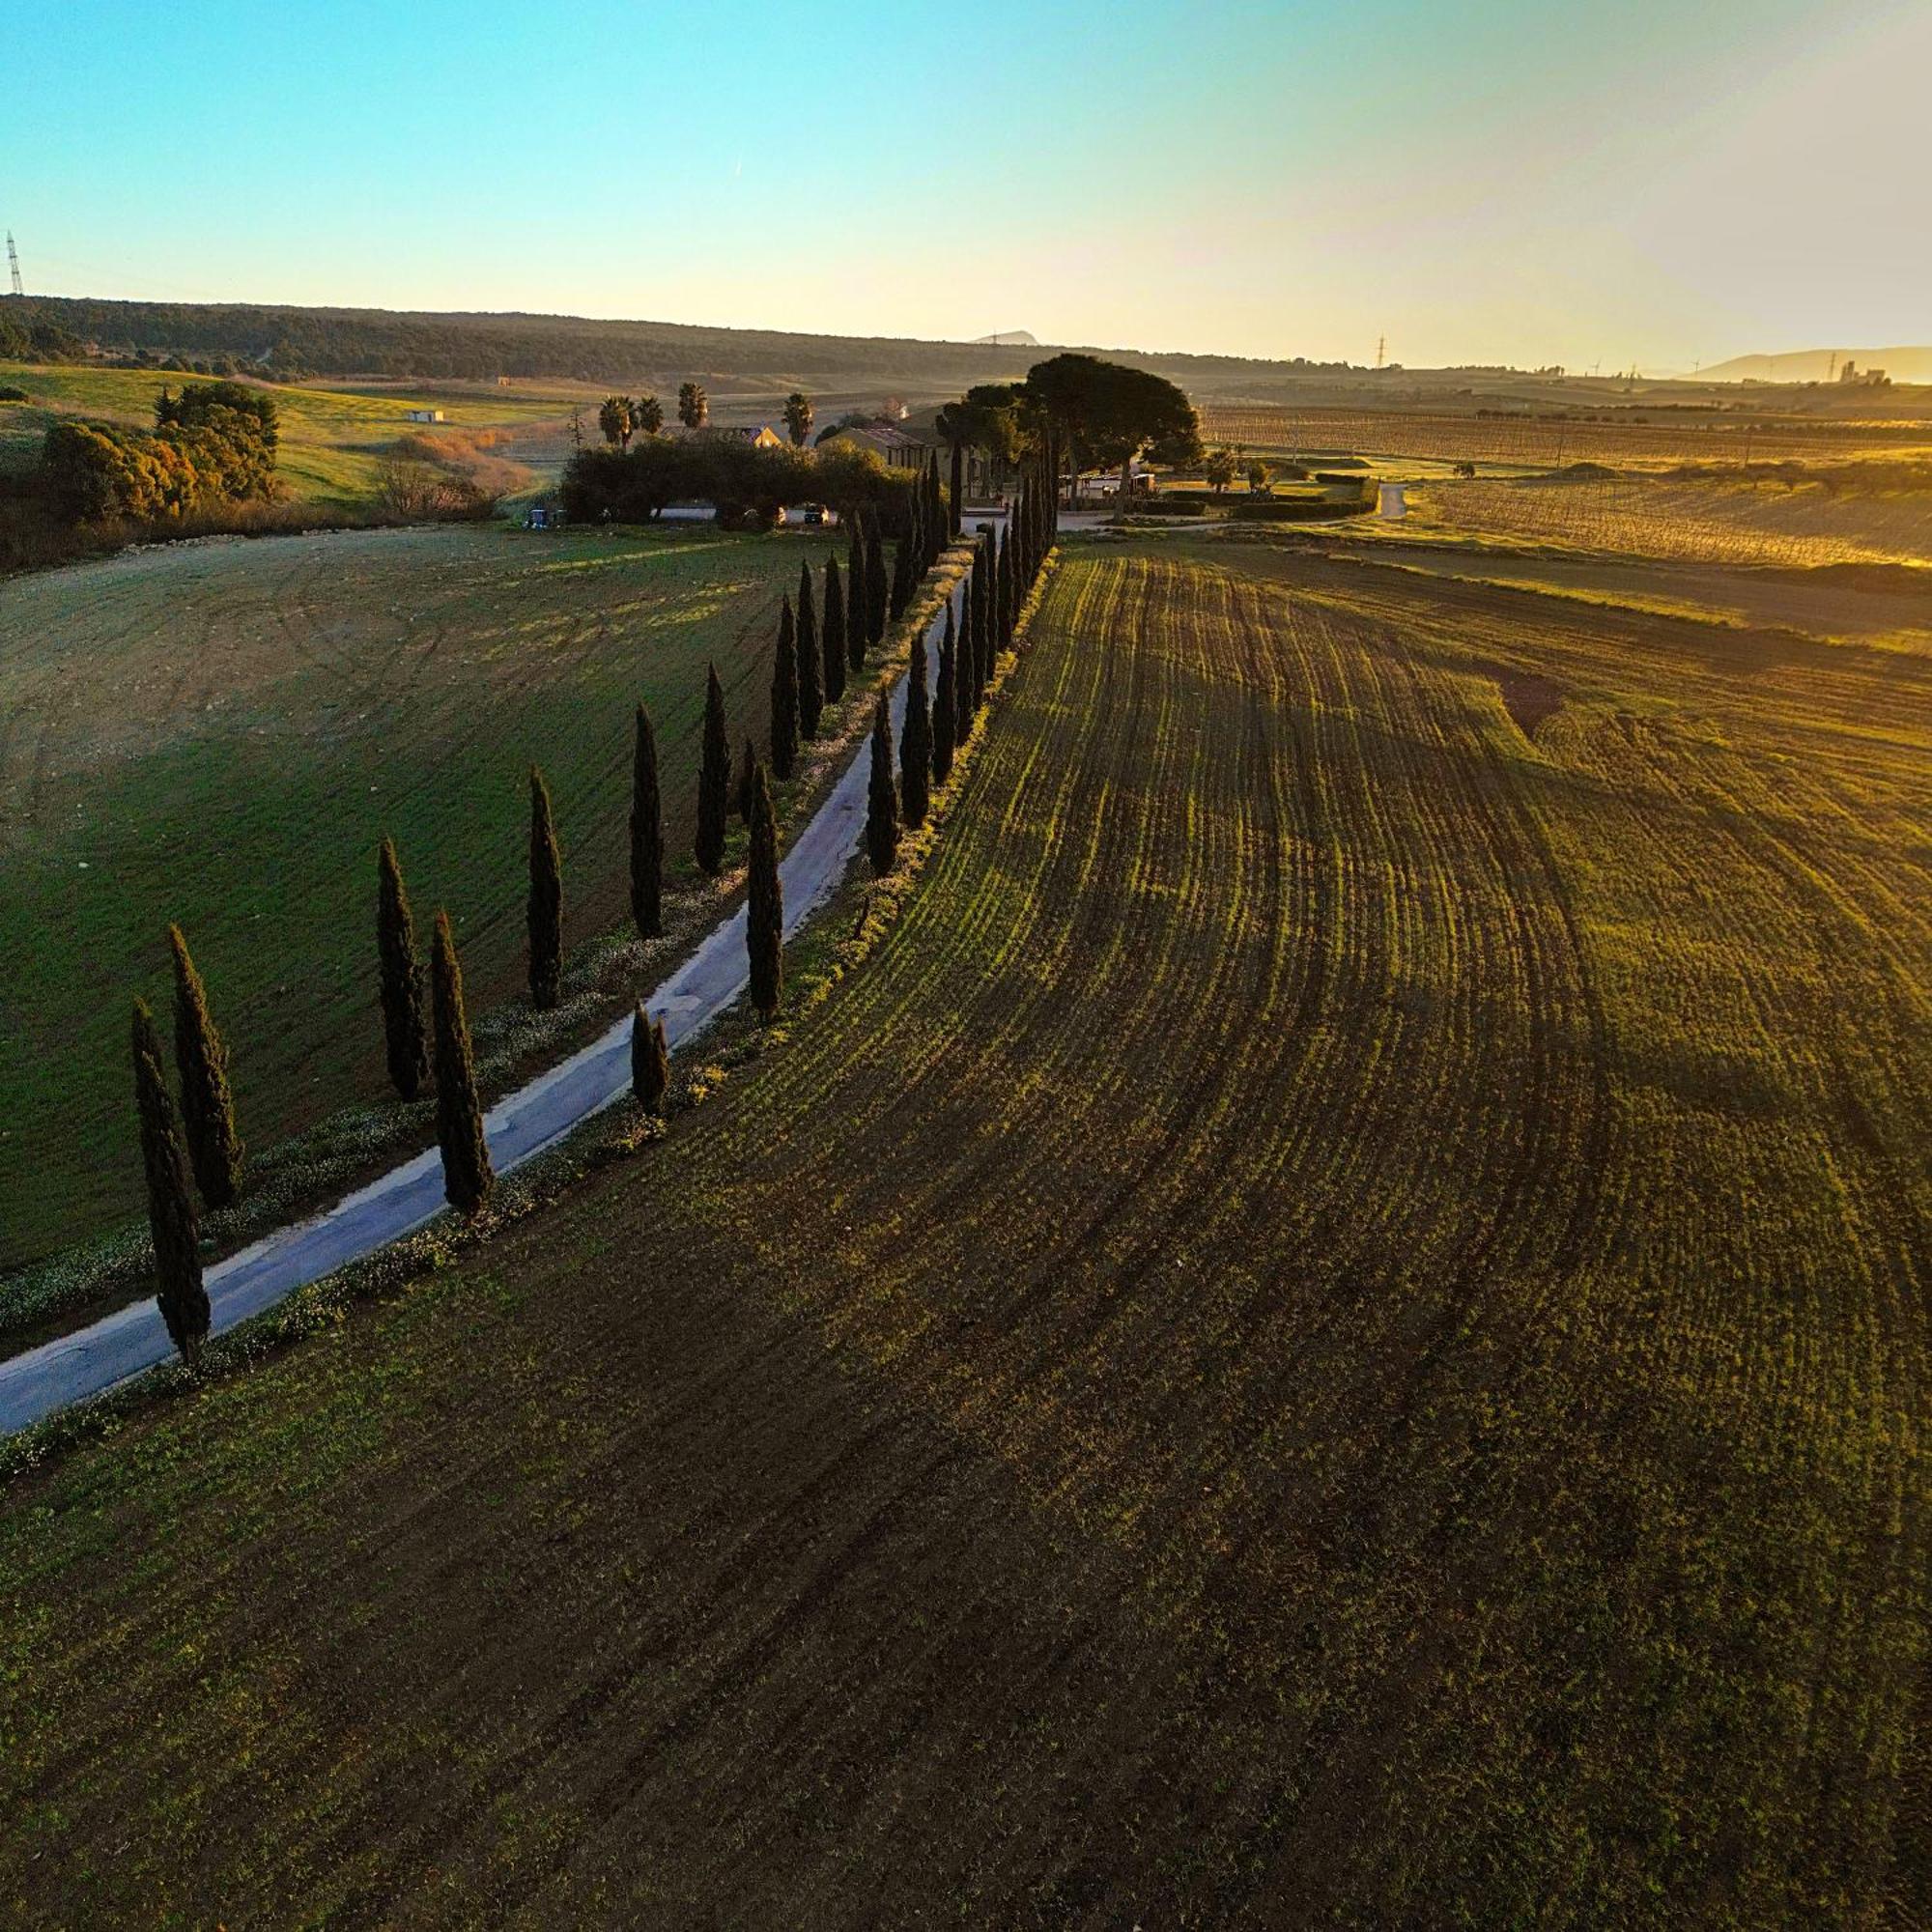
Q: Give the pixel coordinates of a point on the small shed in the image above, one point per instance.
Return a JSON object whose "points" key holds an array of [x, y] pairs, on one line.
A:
{"points": [[423, 415]]}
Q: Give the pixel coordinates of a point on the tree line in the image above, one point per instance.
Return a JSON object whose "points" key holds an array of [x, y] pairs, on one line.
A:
{"points": [[634, 483], [191, 1150]]}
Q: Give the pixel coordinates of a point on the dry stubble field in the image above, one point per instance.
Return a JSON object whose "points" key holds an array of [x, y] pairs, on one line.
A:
{"points": [[1543, 441], [1767, 524], [1330, 1331]]}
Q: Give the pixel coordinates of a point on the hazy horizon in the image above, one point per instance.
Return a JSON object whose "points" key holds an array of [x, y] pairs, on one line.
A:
{"points": [[1506, 183]]}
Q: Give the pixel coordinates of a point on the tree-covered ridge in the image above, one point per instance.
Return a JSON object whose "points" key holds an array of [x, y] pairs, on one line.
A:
{"points": [[285, 342]]}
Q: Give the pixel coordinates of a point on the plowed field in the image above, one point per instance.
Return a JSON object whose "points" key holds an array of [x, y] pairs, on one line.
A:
{"points": [[1331, 1332]]}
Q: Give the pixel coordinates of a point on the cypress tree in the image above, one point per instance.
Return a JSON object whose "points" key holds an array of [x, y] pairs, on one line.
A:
{"points": [[878, 592], [207, 1107], [545, 904], [785, 696], [748, 782], [945, 702], [171, 1216], [650, 1061], [963, 708], [714, 780], [916, 742], [902, 576], [404, 1034], [810, 667], [647, 838], [958, 490], [982, 626], [764, 917], [833, 634], [858, 594], [882, 803], [989, 620], [466, 1174], [1009, 606], [935, 512]]}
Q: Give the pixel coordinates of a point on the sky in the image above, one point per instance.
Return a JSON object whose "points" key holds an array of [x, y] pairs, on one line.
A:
{"points": [[1476, 181]]}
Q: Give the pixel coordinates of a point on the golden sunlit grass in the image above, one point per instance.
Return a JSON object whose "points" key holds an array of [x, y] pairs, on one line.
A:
{"points": [[332, 439]]}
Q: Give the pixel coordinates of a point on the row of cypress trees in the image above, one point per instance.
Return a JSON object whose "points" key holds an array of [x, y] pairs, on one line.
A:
{"points": [[809, 666], [810, 660], [425, 1022], [1003, 571]]}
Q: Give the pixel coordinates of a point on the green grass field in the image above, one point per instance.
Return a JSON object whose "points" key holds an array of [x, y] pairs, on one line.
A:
{"points": [[219, 733], [1331, 1332], [332, 438]]}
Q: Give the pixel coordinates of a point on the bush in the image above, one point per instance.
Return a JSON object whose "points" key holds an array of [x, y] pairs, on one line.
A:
{"points": [[9, 394], [214, 443]]}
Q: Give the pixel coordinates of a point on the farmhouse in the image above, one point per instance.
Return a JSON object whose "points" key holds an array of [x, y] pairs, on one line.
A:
{"points": [[760, 435], [884, 440]]}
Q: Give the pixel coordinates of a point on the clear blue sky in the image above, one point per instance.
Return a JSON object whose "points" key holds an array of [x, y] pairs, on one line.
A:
{"points": [[1519, 180]]}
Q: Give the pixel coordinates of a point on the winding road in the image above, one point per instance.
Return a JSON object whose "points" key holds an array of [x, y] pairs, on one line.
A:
{"points": [[72, 1368]]}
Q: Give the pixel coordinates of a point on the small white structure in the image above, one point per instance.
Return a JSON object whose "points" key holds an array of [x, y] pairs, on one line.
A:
{"points": [[423, 415], [1390, 505]]}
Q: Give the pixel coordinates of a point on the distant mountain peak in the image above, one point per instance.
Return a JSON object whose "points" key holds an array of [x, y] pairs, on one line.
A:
{"points": [[1903, 362], [1006, 338]]}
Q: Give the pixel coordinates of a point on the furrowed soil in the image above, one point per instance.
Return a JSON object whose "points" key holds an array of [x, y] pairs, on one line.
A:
{"points": [[1331, 1332], [220, 733]]}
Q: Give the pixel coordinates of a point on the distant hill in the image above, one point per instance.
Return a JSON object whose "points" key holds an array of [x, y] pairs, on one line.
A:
{"points": [[289, 342], [1008, 338], [1814, 365]]}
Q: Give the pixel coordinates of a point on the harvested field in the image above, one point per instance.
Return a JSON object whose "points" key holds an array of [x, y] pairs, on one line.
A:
{"points": [[1545, 442], [1776, 524], [1331, 1332], [220, 733]]}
